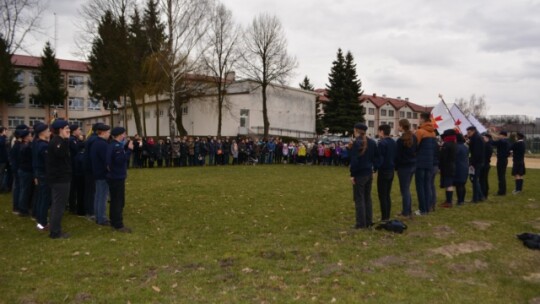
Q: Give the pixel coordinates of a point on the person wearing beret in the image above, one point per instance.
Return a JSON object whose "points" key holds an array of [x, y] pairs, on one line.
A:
{"points": [[476, 163], [58, 172], [518, 158], [364, 158], [484, 176], [24, 173], [462, 168], [425, 153], [98, 154], [76, 193], [386, 166], [503, 152], [447, 165], [89, 180], [39, 155], [14, 164], [3, 157], [118, 154]]}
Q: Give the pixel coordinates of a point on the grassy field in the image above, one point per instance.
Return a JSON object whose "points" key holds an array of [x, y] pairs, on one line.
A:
{"points": [[272, 234]]}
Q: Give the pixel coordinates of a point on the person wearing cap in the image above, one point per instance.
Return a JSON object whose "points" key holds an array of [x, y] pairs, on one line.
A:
{"points": [[3, 158], [58, 172], [76, 192], [518, 158], [476, 163], [364, 157], [98, 153], [484, 176], [447, 165], [425, 153], [462, 168], [89, 180], [24, 173], [503, 152], [14, 164], [39, 155], [118, 153], [386, 166]]}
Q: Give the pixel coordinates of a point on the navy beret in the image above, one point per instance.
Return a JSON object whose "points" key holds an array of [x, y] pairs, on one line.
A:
{"points": [[360, 126], [102, 127], [503, 133], [96, 125], [21, 127], [449, 132], [73, 127], [23, 133], [59, 124], [117, 131], [40, 128]]}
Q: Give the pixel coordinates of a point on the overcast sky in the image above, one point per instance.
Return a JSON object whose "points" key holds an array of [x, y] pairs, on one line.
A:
{"points": [[415, 48]]}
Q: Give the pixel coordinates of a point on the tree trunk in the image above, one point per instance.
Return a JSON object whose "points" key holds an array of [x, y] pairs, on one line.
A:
{"points": [[111, 109], [265, 112], [220, 110], [157, 115], [179, 117], [136, 114], [144, 114]]}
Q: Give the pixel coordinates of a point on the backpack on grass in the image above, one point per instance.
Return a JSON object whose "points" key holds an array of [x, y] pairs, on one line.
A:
{"points": [[396, 226]]}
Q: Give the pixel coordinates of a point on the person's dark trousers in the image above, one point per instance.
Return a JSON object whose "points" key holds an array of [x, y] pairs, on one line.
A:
{"points": [[43, 201], [150, 163], [3, 187], [59, 199], [484, 183], [405, 176], [225, 158], [362, 201], [422, 179], [384, 189], [160, 163], [477, 190], [433, 189], [191, 160], [25, 191], [167, 162], [72, 206], [117, 190], [502, 164], [79, 190], [460, 191], [15, 191], [89, 192]]}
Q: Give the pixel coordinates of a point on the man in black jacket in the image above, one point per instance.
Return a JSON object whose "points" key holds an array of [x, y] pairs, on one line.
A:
{"points": [[476, 162], [503, 151], [3, 157], [484, 177]]}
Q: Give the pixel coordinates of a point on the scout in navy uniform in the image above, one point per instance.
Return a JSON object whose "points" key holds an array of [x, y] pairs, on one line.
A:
{"points": [[476, 163], [364, 156], [58, 172], [98, 154], [89, 180], [25, 173], [39, 155], [14, 163], [3, 158], [462, 168], [118, 154], [518, 158], [447, 165], [385, 177], [503, 151], [488, 152], [76, 193]]}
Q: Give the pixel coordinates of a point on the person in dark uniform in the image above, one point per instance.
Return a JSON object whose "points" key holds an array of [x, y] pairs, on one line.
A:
{"points": [[364, 156], [39, 156], [385, 176], [98, 153], [447, 165], [405, 165], [25, 173], [484, 177], [117, 158], [476, 163], [89, 180], [58, 172], [503, 151], [518, 158], [462, 168], [3, 158], [14, 164], [76, 198]]}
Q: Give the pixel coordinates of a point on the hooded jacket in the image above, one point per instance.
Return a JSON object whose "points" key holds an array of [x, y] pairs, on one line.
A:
{"points": [[426, 143]]}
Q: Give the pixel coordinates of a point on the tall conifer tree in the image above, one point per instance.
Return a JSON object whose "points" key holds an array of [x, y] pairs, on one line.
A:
{"points": [[9, 87], [51, 89]]}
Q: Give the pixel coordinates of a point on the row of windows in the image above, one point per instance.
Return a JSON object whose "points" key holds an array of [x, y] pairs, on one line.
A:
{"points": [[74, 81], [14, 121], [147, 114], [74, 103], [371, 124], [390, 113]]}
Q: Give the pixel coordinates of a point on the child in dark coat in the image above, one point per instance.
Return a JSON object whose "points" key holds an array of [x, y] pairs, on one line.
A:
{"points": [[447, 165]]}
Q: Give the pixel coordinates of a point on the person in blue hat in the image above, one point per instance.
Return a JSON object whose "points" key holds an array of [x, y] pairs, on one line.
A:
{"points": [[14, 164], [364, 157], [118, 154], [24, 172], [518, 158], [3, 158], [385, 176], [58, 172], [502, 145], [39, 155], [89, 180], [98, 154], [76, 193]]}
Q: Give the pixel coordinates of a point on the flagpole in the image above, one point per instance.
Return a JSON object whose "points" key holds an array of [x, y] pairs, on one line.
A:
{"points": [[446, 106]]}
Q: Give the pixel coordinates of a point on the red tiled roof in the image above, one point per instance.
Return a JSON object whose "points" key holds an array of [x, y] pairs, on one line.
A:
{"points": [[34, 62]]}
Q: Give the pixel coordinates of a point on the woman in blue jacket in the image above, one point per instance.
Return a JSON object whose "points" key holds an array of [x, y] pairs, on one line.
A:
{"points": [[462, 168], [363, 155]]}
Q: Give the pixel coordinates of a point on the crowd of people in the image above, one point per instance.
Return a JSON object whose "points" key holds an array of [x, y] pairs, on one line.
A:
{"points": [[422, 155], [55, 167]]}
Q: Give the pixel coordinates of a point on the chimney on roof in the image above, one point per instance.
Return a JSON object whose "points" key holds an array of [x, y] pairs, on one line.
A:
{"points": [[399, 97], [384, 95], [374, 94], [407, 98]]}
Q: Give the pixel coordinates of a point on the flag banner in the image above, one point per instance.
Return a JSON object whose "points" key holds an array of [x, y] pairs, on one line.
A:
{"points": [[479, 127], [441, 118], [461, 121]]}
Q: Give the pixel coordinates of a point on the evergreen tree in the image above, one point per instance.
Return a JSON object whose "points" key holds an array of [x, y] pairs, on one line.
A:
{"points": [[153, 27], [9, 87], [343, 109], [49, 84], [306, 85], [138, 46]]}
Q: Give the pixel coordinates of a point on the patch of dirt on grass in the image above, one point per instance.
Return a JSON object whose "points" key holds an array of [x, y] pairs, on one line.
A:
{"points": [[82, 297], [454, 250], [481, 225], [331, 270], [443, 231], [417, 234], [532, 277], [272, 255], [419, 273], [534, 301], [532, 206], [388, 261], [464, 267], [535, 223], [228, 262]]}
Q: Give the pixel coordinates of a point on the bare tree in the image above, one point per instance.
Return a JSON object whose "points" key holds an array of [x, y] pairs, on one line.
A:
{"points": [[476, 106], [222, 54], [19, 18], [265, 59]]}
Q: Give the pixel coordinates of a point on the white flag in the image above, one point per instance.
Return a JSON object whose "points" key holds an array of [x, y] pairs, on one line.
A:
{"points": [[479, 127], [461, 121], [441, 118]]}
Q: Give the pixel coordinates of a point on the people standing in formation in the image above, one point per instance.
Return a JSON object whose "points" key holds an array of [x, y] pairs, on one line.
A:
{"points": [[49, 174]]}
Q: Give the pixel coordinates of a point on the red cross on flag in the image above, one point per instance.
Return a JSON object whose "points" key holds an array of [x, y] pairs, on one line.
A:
{"points": [[462, 123], [441, 118]]}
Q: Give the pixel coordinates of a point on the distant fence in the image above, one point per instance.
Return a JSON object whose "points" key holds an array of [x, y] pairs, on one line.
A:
{"points": [[284, 132]]}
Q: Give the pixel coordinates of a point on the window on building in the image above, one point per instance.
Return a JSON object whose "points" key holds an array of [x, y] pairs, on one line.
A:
{"points": [[371, 111], [185, 110], [371, 124], [383, 112], [408, 114], [77, 122], [401, 114], [62, 80], [76, 103], [34, 120], [32, 102], [34, 77], [391, 113], [20, 77], [391, 124], [76, 81], [244, 118], [18, 104], [93, 104], [415, 115], [161, 113], [14, 121]]}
